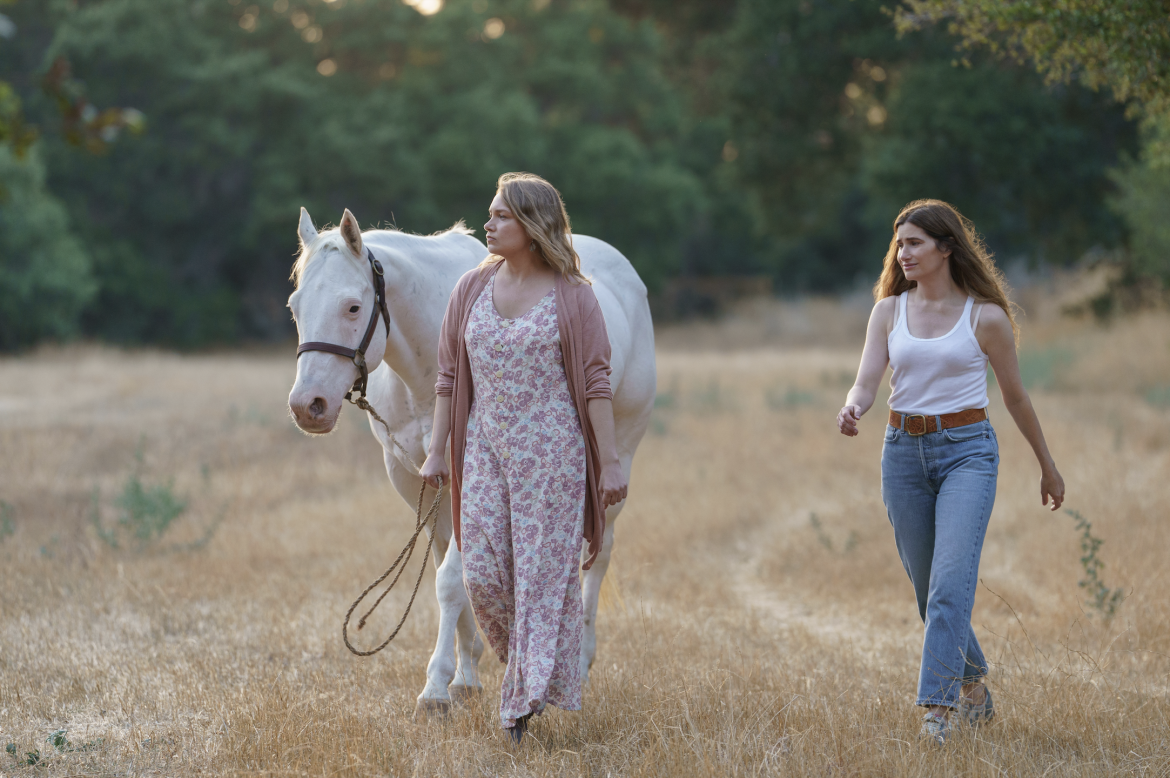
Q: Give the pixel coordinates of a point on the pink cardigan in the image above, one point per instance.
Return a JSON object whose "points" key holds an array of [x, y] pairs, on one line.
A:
{"points": [[585, 347]]}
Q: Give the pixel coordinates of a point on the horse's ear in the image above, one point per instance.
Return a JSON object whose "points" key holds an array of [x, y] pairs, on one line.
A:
{"points": [[306, 229], [352, 233]]}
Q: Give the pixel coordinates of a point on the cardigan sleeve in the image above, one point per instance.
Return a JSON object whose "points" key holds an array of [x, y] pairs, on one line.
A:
{"points": [[595, 349], [449, 339]]}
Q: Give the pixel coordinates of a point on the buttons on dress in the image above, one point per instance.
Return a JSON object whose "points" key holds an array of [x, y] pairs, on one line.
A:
{"points": [[499, 398], [503, 425], [499, 374], [499, 347], [506, 455]]}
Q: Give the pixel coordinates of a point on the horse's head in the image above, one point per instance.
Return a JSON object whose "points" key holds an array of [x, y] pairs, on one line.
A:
{"points": [[333, 303]]}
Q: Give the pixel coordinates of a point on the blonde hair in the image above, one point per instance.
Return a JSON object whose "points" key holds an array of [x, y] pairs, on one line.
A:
{"points": [[538, 206], [972, 267]]}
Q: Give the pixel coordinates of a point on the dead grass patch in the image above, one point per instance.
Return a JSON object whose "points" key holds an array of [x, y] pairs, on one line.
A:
{"points": [[737, 636]]}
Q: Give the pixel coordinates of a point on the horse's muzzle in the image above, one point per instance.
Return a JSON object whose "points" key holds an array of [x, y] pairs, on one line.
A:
{"points": [[313, 414]]}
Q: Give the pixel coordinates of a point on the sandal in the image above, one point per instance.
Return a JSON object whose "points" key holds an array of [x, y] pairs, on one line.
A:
{"points": [[975, 715], [936, 728]]}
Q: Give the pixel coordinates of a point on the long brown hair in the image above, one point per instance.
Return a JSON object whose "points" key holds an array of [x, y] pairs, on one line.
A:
{"points": [[972, 267], [538, 206]]}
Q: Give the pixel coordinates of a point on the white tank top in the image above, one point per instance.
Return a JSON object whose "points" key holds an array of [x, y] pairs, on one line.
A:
{"points": [[933, 376]]}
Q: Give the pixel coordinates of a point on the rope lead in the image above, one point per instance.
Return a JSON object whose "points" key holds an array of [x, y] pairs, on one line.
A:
{"points": [[420, 524]]}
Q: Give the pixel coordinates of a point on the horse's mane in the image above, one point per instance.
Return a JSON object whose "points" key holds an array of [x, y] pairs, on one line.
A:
{"points": [[331, 238]]}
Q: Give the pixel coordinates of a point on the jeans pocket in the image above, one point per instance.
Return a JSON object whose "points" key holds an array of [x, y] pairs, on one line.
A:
{"points": [[892, 433], [969, 432]]}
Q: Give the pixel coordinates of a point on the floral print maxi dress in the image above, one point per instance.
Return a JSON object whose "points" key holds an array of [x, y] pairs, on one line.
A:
{"points": [[523, 504]]}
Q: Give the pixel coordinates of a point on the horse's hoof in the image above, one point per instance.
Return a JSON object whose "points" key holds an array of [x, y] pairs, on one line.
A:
{"points": [[425, 709], [462, 694]]}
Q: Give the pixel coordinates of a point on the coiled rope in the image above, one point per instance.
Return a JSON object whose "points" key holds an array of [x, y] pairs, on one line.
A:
{"points": [[399, 565]]}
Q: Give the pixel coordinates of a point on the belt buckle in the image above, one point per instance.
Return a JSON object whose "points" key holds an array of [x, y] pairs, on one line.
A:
{"points": [[906, 424]]}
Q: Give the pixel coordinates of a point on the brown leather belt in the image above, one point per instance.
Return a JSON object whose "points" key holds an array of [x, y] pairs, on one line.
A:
{"points": [[920, 424]]}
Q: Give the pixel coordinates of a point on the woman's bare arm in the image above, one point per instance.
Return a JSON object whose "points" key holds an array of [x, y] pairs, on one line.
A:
{"points": [[998, 341], [613, 482], [436, 465], [875, 358]]}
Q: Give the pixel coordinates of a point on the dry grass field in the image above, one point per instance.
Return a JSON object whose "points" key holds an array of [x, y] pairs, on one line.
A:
{"points": [[756, 620]]}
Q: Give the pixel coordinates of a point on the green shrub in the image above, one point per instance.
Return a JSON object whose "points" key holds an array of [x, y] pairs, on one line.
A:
{"points": [[1159, 395], [145, 511], [1101, 598], [6, 525]]}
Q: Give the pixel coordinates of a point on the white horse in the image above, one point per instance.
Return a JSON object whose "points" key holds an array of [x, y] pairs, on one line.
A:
{"points": [[333, 303]]}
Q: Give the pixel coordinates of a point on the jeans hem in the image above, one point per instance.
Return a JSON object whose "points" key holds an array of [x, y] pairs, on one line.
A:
{"points": [[937, 703], [926, 703]]}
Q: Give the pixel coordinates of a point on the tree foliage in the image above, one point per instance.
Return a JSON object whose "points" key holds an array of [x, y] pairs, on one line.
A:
{"points": [[15, 134], [45, 278], [835, 123], [369, 105], [1122, 46], [1026, 164], [14, 131], [699, 137], [1143, 201], [795, 134]]}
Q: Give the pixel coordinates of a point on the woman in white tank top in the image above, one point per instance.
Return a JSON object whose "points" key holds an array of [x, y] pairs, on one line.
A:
{"points": [[941, 316]]}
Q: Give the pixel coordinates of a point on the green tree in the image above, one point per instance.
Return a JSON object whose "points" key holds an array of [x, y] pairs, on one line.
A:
{"points": [[257, 110], [45, 278], [1143, 201], [1122, 46], [794, 141], [1029, 165], [14, 132], [833, 123], [755, 136]]}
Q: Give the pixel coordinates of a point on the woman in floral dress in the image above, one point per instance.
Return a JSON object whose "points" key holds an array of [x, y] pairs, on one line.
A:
{"points": [[523, 395]]}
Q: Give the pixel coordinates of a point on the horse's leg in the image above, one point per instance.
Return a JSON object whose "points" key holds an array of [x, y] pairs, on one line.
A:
{"points": [[591, 589], [591, 580], [454, 603], [453, 672], [469, 644], [441, 669], [454, 615]]}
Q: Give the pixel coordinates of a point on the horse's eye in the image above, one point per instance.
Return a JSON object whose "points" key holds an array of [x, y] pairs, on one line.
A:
{"points": [[353, 308]]}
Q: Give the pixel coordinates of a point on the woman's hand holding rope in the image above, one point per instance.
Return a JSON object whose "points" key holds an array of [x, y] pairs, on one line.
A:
{"points": [[435, 471]]}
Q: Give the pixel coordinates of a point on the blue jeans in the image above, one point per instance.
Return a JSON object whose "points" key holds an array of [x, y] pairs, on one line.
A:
{"points": [[939, 489]]}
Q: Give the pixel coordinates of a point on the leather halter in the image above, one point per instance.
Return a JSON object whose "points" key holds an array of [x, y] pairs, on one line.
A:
{"points": [[358, 355]]}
